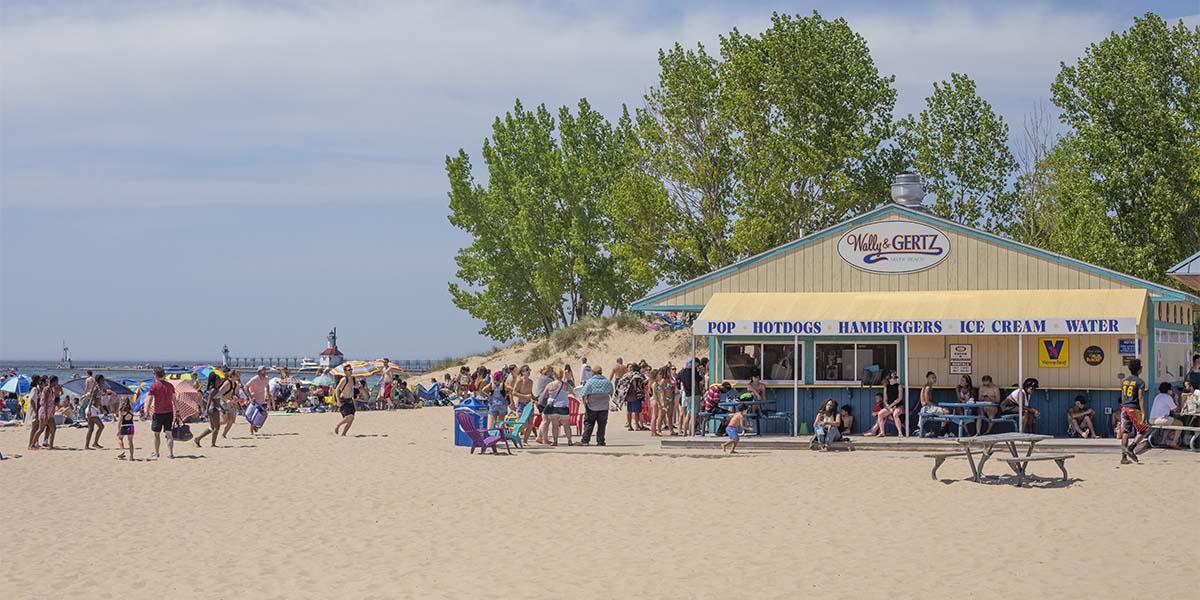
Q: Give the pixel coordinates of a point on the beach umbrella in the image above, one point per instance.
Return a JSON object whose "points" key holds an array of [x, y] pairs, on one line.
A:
{"points": [[201, 372], [79, 386], [176, 370], [18, 384], [383, 363], [323, 380], [361, 368], [139, 393], [187, 399]]}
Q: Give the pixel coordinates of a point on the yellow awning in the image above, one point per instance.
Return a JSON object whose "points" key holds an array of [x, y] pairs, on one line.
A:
{"points": [[991, 312]]}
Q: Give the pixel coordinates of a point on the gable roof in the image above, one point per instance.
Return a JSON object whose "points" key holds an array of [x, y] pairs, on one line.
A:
{"points": [[1187, 272], [646, 303]]}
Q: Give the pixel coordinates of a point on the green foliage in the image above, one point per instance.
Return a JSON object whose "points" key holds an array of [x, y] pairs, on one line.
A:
{"points": [[959, 146], [540, 352], [1133, 101], [689, 148], [557, 235], [813, 118]]}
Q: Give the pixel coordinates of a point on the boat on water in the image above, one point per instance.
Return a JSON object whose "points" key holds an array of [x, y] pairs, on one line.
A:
{"points": [[308, 365], [65, 363]]}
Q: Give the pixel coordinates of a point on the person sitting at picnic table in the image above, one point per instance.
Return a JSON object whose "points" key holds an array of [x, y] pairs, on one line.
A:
{"points": [[1079, 418], [1018, 398], [1160, 413], [1189, 399], [989, 392], [929, 409], [712, 398], [827, 426]]}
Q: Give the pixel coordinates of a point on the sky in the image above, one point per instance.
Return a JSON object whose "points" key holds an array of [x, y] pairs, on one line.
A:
{"points": [[175, 176]]}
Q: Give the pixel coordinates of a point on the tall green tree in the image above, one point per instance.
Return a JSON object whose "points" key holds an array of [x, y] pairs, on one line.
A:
{"points": [[1133, 101], [688, 147], [550, 244], [959, 145], [813, 118]]}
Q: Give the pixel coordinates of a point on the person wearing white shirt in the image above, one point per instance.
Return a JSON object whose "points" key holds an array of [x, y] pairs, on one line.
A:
{"points": [[1160, 412], [585, 371]]}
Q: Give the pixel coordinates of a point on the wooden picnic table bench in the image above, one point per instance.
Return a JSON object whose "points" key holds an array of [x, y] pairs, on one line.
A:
{"points": [[941, 457], [988, 444], [1020, 463]]}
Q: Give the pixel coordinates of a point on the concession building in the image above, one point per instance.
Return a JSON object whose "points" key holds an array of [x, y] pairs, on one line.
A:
{"points": [[899, 289]]}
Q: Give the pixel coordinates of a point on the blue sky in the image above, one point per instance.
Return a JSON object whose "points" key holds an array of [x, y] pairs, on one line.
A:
{"points": [[178, 176]]}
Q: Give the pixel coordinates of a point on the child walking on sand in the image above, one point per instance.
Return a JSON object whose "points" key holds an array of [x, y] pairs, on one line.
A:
{"points": [[734, 428], [125, 427]]}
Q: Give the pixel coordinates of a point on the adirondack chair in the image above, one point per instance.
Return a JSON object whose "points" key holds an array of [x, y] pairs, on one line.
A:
{"points": [[575, 416], [478, 439], [431, 394], [511, 428]]}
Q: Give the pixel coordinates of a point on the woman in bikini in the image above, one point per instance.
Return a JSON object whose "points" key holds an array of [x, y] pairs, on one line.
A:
{"points": [[33, 411], [230, 390], [215, 409], [50, 393]]}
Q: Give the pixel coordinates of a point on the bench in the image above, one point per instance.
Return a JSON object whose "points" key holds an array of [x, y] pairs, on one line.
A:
{"points": [[1020, 462], [940, 458], [1195, 431]]}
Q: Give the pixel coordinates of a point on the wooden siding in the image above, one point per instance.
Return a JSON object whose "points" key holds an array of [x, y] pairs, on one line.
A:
{"points": [[973, 264], [997, 356]]}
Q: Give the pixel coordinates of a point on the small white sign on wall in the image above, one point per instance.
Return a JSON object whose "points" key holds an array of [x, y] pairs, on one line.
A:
{"points": [[960, 352]]}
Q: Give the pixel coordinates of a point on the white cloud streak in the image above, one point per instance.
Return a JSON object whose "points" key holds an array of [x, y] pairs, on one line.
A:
{"points": [[234, 103]]}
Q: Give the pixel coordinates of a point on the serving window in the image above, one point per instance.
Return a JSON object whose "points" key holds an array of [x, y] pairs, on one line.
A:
{"points": [[854, 362], [773, 362]]}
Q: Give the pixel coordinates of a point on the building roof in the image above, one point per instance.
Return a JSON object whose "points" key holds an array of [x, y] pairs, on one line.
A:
{"points": [[652, 301], [331, 352], [1187, 272]]}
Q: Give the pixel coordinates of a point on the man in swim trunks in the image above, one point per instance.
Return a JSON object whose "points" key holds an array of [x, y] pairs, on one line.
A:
{"points": [[345, 397], [162, 407]]}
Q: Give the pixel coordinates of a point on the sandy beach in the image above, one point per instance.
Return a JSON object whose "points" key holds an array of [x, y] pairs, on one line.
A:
{"points": [[396, 511]]}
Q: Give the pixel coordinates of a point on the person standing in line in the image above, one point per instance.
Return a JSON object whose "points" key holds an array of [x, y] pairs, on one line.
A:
{"points": [[1133, 406], [345, 397], [596, 394], [634, 386], [257, 391], [33, 415], [231, 391], [92, 414], [162, 407], [523, 394], [585, 370], [618, 372], [557, 410]]}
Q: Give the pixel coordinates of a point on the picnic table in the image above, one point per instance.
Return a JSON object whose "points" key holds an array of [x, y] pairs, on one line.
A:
{"points": [[756, 415], [962, 419], [987, 445]]}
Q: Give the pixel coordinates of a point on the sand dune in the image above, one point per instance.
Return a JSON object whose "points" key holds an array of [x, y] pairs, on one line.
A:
{"points": [[396, 511]]}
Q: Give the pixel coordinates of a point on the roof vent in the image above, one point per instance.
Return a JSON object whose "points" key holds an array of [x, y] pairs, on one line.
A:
{"points": [[908, 191]]}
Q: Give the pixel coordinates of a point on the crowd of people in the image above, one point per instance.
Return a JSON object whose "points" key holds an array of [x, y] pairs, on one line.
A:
{"points": [[221, 397]]}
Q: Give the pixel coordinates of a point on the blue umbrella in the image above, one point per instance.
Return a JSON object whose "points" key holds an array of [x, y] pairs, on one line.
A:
{"points": [[16, 385], [79, 386]]}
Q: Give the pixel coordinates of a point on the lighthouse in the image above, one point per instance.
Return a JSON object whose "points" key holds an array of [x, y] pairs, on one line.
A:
{"points": [[331, 356]]}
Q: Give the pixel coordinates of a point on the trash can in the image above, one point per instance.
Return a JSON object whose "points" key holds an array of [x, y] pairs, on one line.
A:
{"points": [[478, 410]]}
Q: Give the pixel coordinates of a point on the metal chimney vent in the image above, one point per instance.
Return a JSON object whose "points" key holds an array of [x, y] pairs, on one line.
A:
{"points": [[908, 191]]}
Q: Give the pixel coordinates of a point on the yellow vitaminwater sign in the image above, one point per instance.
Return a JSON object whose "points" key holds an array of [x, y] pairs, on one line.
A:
{"points": [[1052, 353]]}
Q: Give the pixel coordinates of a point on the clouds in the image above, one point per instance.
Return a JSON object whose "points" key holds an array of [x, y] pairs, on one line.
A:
{"points": [[252, 102], [111, 108]]}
